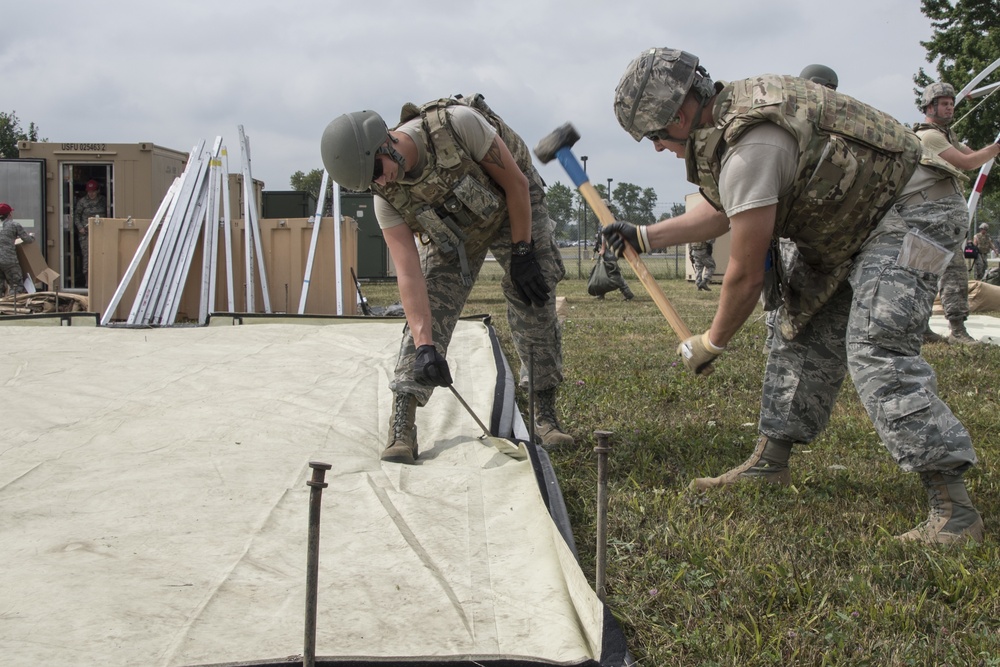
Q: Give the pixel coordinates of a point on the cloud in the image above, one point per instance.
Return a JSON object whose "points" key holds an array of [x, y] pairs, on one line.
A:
{"points": [[174, 73]]}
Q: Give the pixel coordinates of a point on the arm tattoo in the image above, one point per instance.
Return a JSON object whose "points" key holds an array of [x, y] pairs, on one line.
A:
{"points": [[493, 155]]}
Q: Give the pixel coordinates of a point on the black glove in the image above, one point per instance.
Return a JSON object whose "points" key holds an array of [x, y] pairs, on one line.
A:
{"points": [[620, 233], [527, 277], [430, 368]]}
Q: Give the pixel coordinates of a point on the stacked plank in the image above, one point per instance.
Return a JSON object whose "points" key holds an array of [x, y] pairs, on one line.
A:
{"points": [[191, 210]]}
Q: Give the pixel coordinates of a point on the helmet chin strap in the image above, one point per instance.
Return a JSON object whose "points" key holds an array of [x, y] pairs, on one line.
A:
{"points": [[395, 155], [938, 120]]}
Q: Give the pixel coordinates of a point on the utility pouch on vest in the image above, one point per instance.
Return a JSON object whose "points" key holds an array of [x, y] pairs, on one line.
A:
{"points": [[771, 295], [448, 237], [922, 254], [476, 198]]}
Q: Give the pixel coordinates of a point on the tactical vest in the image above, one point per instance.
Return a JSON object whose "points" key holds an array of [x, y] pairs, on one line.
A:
{"points": [[853, 160], [936, 161], [454, 202]]}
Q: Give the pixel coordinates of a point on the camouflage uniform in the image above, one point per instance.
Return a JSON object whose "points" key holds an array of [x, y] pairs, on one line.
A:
{"points": [[703, 263], [982, 241], [535, 331], [85, 209], [862, 284], [603, 253], [10, 269], [954, 286]]}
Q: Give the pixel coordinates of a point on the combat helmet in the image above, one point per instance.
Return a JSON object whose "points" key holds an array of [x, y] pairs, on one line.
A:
{"points": [[820, 74], [934, 91], [349, 146], [653, 88]]}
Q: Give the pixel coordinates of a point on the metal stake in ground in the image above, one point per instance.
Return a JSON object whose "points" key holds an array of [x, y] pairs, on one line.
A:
{"points": [[603, 448], [316, 485]]}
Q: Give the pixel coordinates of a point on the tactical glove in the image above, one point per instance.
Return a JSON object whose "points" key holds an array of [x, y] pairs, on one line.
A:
{"points": [[527, 277], [698, 353], [430, 368], [620, 233]]}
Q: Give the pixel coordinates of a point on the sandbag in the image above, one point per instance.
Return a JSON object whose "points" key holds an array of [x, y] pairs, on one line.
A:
{"points": [[983, 296]]}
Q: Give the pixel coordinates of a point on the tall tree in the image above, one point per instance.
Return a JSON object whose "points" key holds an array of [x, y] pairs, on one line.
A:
{"points": [[311, 183], [965, 40], [11, 133], [562, 210], [635, 204]]}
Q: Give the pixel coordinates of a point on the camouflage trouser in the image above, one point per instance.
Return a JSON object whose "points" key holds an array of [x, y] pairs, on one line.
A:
{"points": [[704, 266], [84, 252], [10, 273], [954, 284], [535, 331], [954, 289], [873, 327], [979, 266]]}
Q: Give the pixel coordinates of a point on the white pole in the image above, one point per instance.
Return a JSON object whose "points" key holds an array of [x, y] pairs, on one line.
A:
{"points": [[161, 212], [227, 221], [320, 205], [338, 259]]}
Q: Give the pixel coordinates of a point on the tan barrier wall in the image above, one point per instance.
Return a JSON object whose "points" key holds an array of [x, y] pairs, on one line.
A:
{"points": [[114, 242]]}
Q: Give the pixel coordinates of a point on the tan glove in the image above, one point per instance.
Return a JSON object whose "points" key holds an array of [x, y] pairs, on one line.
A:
{"points": [[698, 353]]}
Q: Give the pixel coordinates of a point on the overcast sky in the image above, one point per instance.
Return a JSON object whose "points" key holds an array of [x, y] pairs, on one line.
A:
{"points": [[178, 71]]}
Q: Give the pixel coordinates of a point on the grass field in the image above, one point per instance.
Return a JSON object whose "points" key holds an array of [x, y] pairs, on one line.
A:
{"points": [[808, 575]]}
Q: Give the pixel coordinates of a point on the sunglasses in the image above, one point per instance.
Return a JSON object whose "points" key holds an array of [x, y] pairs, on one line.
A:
{"points": [[659, 135], [377, 170]]}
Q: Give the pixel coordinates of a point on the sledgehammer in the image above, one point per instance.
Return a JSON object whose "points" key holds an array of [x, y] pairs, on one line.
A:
{"points": [[558, 144]]}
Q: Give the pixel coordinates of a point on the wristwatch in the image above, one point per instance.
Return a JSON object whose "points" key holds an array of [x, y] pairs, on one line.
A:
{"points": [[520, 249]]}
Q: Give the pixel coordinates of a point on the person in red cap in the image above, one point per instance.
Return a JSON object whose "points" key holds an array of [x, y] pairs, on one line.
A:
{"points": [[91, 205], [10, 270]]}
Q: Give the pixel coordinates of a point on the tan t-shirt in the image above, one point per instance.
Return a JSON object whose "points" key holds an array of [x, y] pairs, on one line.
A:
{"points": [[932, 143], [758, 168], [474, 134]]}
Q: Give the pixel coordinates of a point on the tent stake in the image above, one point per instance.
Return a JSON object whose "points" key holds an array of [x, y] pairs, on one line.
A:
{"points": [[316, 485], [603, 448]]}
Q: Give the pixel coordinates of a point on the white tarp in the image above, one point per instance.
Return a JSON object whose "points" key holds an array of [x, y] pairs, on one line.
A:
{"points": [[153, 504]]}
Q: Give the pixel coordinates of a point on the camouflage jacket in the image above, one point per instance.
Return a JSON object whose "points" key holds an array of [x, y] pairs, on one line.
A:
{"points": [[853, 160], [9, 232], [454, 201], [87, 208], [936, 161], [702, 247]]}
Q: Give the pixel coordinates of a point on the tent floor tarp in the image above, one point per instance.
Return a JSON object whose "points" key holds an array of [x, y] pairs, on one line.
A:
{"points": [[154, 505]]}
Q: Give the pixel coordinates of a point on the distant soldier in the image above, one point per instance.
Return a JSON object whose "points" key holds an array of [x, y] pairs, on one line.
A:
{"points": [[91, 205], [603, 252], [703, 263], [938, 195], [984, 244], [10, 269]]}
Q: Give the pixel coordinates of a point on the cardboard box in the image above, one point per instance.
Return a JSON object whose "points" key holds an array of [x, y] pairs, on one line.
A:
{"points": [[29, 256]]}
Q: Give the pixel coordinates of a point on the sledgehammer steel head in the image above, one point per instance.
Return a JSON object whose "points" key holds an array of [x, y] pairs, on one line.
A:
{"points": [[563, 136]]}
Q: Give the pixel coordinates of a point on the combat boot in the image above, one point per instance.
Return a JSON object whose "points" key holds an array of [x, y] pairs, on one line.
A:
{"points": [[768, 463], [952, 517], [959, 334], [933, 337], [401, 446], [547, 427], [627, 293]]}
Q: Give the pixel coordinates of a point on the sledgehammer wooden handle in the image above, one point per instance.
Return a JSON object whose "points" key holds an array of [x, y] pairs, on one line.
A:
{"points": [[606, 217], [559, 144]]}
